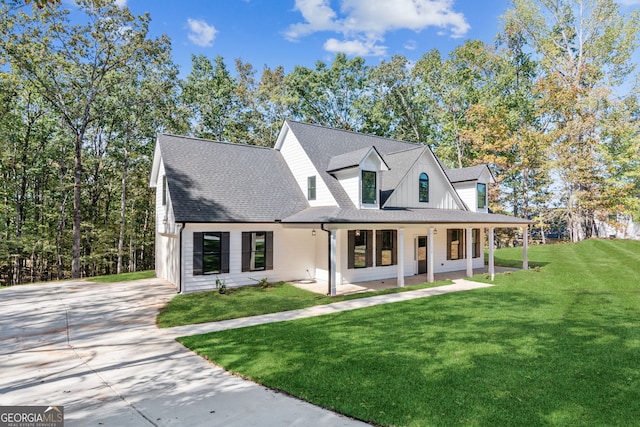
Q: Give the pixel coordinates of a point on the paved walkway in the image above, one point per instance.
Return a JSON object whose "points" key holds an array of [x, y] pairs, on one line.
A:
{"points": [[95, 349], [318, 310]]}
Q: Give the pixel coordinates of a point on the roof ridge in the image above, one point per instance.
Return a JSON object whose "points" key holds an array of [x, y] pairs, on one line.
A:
{"points": [[355, 132], [235, 144]]}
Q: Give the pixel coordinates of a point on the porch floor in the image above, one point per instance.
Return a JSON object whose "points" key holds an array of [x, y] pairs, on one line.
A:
{"points": [[322, 287]]}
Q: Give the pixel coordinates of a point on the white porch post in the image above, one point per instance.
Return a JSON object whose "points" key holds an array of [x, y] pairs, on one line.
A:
{"points": [[430, 277], [333, 279], [469, 241], [525, 247], [400, 257], [492, 268]]}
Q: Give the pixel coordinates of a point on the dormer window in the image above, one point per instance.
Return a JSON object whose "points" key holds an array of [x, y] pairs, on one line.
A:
{"points": [[311, 187], [482, 196], [369, 189], [423, 188]]}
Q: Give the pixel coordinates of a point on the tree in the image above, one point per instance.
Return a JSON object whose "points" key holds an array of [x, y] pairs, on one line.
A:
{"points": [[71, 67], [208, 93], [585, 49], [335, 95]]}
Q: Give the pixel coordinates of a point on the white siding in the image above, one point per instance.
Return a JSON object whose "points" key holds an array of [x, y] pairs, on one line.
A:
{"points": [[167, 254], [441, 195], [468, 193], [350, 181], [293, 255], [167, 247], [301, 167]]}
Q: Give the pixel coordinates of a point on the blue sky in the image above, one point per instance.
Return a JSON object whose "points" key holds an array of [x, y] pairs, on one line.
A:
{"points": [[300, 32]]}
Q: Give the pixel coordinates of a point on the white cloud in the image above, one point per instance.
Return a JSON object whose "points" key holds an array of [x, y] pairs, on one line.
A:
{"points": [[410, 45], [354, 47], [201, 33], [120, 3], [363, 23], [629, 2]]}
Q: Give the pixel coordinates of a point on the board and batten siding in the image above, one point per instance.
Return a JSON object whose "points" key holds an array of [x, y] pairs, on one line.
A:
{"points": [[440, 192], [301, 167], [293, 256], [468, 193]]}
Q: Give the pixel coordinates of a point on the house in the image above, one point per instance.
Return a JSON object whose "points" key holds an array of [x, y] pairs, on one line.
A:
{"points": [[323, 204]]}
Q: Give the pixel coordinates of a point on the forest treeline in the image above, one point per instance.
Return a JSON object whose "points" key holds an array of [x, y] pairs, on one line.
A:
{"points": [[552, 106]]}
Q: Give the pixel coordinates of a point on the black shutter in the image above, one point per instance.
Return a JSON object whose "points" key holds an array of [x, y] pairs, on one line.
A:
{"points": [[269, 248], [351, 259], [224, 252], [369, 248], [449, 239], [197, 253], [378, 247], [246, 251], [394, 250]]}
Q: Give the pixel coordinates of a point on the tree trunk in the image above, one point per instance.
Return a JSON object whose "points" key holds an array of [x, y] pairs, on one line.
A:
{"points": [[77, 184], [123, 205]]}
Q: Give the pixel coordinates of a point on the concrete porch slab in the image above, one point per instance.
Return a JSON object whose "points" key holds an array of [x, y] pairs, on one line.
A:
{"points": [[322, 287]]}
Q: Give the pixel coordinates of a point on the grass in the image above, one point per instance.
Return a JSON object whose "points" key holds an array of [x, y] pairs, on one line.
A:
{"points": [[247, 301], [123, 277], [557, 346]]}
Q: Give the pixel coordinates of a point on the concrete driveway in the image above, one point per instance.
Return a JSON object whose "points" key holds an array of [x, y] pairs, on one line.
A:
{"points": [[95, 349]]}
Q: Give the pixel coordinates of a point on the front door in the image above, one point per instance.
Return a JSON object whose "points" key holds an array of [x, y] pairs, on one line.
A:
{"points": [[422, 254]]}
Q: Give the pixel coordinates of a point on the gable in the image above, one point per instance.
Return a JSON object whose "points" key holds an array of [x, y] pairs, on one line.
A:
{"points": [[321, 144], [402, 186], [302, 167]]}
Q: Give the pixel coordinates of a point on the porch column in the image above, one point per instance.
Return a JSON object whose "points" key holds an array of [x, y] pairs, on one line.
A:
{"points": [[400, 257], [525, 247], [492, 268], [333, 254], [469, 241], [430, 278]]}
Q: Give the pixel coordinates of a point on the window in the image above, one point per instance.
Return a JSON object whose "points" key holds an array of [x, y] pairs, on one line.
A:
{"points": [[210, 253], [360, 249], [311, 188], [257, 250], [368, 187], [482, 196], [423, 188], [475, 247], [386, 242], [164, 190], [455, 244]]}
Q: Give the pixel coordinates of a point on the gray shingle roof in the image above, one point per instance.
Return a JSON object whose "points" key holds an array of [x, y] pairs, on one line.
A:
{"points": [[322, 144], [220, 182], [465, 174], [348, 160], [394, 216]]}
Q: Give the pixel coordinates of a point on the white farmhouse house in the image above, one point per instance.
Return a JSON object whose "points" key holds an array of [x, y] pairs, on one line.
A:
{"points": [[323, 204]]}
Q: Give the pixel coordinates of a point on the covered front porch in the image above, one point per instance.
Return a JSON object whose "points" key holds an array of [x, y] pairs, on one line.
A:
{"points": [[322, 286], [432, 249]]}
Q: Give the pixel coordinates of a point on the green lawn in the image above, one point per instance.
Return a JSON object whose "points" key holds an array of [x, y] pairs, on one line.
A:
{"points": [[210, 306], [558, 346], [123, 277]]}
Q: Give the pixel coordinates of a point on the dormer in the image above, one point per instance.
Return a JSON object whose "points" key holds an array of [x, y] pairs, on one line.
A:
{"points": [[472, 184], [359, 174]]}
